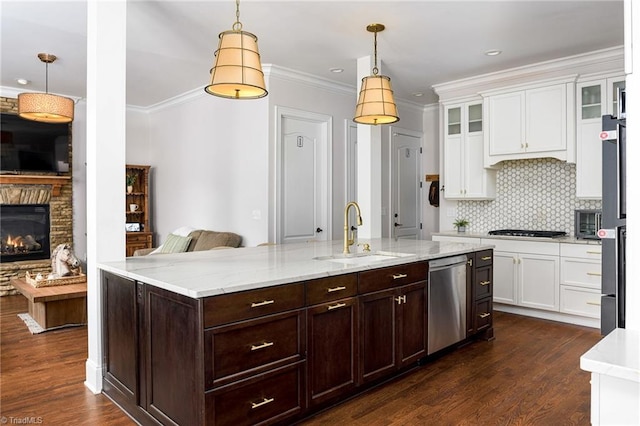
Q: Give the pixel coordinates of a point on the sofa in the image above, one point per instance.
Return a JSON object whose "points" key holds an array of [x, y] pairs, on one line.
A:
{"points": [[194, 240]]}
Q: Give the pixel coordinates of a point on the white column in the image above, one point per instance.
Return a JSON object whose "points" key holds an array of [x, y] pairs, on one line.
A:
{"points": [[106, 98], [369, 168]]}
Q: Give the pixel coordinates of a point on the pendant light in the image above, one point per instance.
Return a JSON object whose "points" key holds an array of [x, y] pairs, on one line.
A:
{"points": [[44, 106], [375, 103], [237, 72]]}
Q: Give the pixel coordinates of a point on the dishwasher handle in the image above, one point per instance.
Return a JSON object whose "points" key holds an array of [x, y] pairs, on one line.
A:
{"points": [[447, 262]]}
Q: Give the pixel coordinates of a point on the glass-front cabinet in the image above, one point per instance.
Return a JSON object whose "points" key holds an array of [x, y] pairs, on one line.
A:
{"points": [[464, 174], [596, 97]]}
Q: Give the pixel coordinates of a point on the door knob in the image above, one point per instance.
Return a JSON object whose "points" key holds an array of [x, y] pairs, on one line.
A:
{"points": [[396, 224], [318, 230]]}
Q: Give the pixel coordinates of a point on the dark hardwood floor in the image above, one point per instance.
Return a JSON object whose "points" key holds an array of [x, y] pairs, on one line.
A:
{"points": [[529, 375]]}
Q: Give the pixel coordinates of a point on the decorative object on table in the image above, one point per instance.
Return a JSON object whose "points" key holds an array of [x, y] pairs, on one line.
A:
{"points": [[461, 224], [131, 180], [65, 269]]}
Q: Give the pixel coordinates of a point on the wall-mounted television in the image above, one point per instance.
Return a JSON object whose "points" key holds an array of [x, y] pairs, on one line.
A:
{"points": [[33, 146]]}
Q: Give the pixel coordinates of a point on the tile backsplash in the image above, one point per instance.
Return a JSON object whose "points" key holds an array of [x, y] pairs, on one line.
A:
{"points": [[530, 194]]}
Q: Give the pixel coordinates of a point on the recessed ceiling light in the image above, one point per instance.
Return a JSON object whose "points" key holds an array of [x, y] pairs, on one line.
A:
{"points": [[418, 94], [493, 52], [22, 81], [336, 70]]}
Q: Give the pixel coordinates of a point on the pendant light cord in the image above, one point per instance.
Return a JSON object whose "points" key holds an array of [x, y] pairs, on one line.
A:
{"points": [[237, 26], [375, 53], [46, 78]]}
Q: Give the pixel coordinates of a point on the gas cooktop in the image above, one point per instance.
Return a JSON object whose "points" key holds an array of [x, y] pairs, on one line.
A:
{"points": [[528, 233]]}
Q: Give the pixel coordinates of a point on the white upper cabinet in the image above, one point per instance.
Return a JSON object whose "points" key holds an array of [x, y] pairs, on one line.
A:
{"points": [[464, 174], [531, 122], [595, 98]]}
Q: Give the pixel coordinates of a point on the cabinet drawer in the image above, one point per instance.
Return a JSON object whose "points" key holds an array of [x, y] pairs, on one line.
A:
{"points": [[393, 276], [265, 399], [245, 348], [585, 251], [332, 288], [483, 285], [483, 314], [580, 301], [139, 238], [251, 304], [581, 272], [484, 258]]}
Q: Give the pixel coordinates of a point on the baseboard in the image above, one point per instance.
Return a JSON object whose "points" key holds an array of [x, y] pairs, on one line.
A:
{"points": [[93, 379], [552, 316]]}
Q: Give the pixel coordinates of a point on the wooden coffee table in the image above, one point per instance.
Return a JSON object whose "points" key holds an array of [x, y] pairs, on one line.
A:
{"points": [[56, 305]]}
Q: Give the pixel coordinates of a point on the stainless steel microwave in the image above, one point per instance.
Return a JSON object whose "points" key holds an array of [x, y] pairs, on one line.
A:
{"points": [[587, 224]]}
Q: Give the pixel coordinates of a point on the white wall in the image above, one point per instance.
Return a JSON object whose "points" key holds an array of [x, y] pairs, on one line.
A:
{"points": [[138, 143], [431, 165], [79, 141]]}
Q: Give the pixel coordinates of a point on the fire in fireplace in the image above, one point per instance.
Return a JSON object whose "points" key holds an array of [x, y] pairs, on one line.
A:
{"points": [[24, 232]]}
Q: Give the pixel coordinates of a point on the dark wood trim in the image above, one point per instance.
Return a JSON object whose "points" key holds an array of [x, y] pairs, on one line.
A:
{"points": [[56, 182]]}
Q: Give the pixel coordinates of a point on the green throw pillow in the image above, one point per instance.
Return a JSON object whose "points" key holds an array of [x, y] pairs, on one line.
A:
{"points": [[175, 244]]}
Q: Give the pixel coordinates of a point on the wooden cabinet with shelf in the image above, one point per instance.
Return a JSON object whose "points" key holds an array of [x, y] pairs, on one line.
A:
{"points": [[137, 194]]}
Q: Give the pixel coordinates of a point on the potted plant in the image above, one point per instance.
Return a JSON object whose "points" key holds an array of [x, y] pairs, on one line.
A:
{"points": [[461, 224], [131, 180]]}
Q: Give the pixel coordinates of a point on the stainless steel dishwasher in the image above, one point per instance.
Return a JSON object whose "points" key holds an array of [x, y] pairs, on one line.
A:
{"points": [[447, 306]]}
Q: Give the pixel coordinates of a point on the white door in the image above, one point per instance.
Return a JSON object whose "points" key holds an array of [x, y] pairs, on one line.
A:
{"points": [[406, 184], [303, 177]]}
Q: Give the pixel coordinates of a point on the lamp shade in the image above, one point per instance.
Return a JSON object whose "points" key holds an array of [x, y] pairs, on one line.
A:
{"points": [[45, 107], [375, 103], [237, 72]]}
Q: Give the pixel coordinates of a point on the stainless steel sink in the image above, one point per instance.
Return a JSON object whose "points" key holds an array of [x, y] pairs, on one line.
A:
{"points": [[363, 258]]}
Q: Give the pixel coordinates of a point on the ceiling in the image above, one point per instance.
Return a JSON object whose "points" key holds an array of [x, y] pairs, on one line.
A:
{"points": [[170, 44]]}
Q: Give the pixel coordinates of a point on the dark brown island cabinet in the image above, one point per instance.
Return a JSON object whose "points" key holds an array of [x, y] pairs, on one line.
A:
{"points": [[273, 355]]}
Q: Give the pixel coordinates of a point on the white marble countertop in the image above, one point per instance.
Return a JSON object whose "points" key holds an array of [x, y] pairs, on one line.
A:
{"points": [[617, 355], [214, 272], [566, 240]]}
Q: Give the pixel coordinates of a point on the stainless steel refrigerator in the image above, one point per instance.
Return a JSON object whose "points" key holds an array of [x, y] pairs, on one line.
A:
{"points": [[614, 218]]}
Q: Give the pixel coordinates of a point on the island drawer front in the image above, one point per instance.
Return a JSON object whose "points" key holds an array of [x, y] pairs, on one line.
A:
{"points": [[333, 288], [383, 278], [264, 399], [236, 351], [228, 308], [484, 314], [483, 284], [484, 258]]}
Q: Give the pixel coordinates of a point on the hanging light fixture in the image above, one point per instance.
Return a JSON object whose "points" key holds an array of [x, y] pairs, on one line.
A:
{"points": [[237, 72], [375, 103], [44, 106]]}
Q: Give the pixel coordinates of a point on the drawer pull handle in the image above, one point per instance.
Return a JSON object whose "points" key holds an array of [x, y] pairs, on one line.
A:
{"points": [[264, 401], [258, 304], [485, 282], [262, 346], [331, 290], [398, 276], [484, 315], [595, 274], [594, 303], [336, 306], [470, 262], [593, 252], [486, 258]]}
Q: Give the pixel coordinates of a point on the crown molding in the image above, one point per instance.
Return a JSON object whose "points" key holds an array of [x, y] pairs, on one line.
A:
{"points": [[611, 59], [288, 74]]}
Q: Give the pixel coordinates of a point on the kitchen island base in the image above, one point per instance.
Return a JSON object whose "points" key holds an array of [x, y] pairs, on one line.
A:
{"points": [[272, 355]]}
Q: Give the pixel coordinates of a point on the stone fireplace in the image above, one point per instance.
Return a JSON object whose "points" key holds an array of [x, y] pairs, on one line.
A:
{"points": [[53, 191]]}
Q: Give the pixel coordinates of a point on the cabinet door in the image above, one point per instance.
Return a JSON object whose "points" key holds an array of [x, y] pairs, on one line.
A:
{"points": [[412, 323], [504, 277], [453, 153], [475, 174], [546, 119], [121, 340], [333, 344], [378, 356], [506, 123], [539, 281]]}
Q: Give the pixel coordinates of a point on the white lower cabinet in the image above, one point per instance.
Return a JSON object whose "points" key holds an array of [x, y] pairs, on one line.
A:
{"points": [[580, 279]]}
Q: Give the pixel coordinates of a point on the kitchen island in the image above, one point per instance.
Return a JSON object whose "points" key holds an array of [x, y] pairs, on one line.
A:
{"points": [[272, 334]]}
